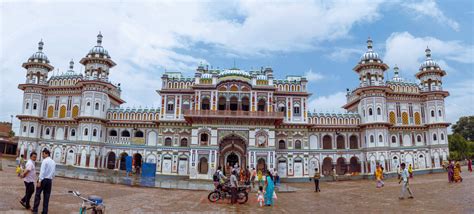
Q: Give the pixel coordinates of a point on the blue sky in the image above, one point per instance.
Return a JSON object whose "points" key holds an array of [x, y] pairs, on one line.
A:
{"points": [[321, 39]]}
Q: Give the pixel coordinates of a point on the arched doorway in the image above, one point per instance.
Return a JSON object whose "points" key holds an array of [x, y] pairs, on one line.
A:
{"points": [[232, 159], [137, 160], [327, 166], [340, 142], [232, 151], [221, 104], [245, 104], [111, 160], [261, 164], [341, 166], [123, 165], [353, 144], [354, 165], [234, 103], [327, 144], [203, 165]]}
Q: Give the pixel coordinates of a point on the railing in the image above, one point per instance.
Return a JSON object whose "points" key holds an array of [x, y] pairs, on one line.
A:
{"points": [[118, 140], [226, 113]]}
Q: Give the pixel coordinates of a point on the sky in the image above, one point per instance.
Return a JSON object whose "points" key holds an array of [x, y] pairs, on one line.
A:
{"points": [[322, 40]]}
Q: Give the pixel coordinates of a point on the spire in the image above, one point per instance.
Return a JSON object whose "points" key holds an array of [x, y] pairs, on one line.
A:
{"points": [[40, 45], [71, 64], [395, 69], [428, 52], [369, 44], [99, 39]]}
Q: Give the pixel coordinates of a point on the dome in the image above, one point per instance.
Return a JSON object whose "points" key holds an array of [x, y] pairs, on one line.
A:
{"points": [[428, 63], [234, 72], [370, 54], [39, 55], [98, 49], [206, 76]]}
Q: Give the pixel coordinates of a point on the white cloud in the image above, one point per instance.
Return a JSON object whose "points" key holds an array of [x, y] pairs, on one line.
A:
{"points": [[329, 103], [313, 76], [408, 51], [460, 101], [343, 54], [430, 9]]}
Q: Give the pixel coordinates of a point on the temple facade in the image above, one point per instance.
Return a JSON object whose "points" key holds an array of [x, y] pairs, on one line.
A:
{"points": [[223, 117]]}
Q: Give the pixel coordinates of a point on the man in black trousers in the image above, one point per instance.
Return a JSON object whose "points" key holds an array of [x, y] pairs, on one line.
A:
{"points": [[45, 182], [29, 178]]}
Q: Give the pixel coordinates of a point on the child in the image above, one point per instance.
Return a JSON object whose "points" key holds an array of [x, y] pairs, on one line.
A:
{"points": [[260, 198]]}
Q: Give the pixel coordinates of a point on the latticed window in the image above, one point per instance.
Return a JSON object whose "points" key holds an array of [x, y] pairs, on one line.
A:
{"points": [[417, 118], [405, 118], [392, 117], [75, 111], [50, 111], [62, 112]]}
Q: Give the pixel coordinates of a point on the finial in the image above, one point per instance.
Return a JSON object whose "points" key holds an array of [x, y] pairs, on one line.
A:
{"points": [[369, 43], [99, 39], [40, 45], [71, 64], [395, 69], [428, 52]]}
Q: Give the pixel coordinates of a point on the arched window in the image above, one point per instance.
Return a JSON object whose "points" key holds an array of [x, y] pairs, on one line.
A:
{"points": [[353, 142], [50, 111], [418, 138], [96, 106], [205, 105], [297, 144], [204, 138], [168, 141], [203, 166], [281, 144], [24, 128], [138, 133], [73, 132], [113, 133], [435, 137], [32, 129], [372, 140], [340, 142], [35, 106], [27, 105], [392, 117], [94, 132], [363, 112], [370, 111], [47, 131], [86, 132], [261, 105], [62, 112], [380, 138], [432, 113], [75, 111], [379, 111], [88, 104], [125, 133], [296, 109], [404, 118], [442, 136], [184, 142], [327, 142], [439, 113], [394, 139]]}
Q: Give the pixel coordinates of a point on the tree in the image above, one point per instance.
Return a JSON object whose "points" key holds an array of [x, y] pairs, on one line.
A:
{"points": [[11, 133], [465, 127], [458, 147]]}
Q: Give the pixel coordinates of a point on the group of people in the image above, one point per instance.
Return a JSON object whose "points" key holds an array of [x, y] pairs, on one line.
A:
{"points": [[454, 170], [404, 175], [239, 176], [27, 171]]}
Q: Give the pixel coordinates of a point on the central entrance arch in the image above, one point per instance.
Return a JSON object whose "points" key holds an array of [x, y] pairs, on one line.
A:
{"points": [[232, 152]]}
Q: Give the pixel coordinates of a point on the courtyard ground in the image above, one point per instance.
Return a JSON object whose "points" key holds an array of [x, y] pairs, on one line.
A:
{"points": [[433, 194]]}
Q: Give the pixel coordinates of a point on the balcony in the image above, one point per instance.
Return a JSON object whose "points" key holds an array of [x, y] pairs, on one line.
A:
{"points": [[192, 115]]}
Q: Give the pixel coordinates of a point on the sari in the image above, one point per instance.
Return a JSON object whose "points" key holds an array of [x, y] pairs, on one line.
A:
{"points": [[450, 172], [379, 177], [269, 189], [457, 173]]}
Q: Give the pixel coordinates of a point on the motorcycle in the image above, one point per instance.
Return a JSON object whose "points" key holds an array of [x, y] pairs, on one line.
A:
{"points": [[223, 192], [95, 203]]}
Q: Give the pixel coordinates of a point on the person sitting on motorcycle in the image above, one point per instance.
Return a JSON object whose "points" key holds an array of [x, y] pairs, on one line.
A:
{"points": [[219, 178]]}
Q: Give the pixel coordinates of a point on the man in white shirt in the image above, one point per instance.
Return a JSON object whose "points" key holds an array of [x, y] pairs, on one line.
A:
{"points": [[48, 168], [233, 187], [29, 178], [404, 180]]}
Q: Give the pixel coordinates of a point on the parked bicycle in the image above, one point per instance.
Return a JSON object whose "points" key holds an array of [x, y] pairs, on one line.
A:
{"points": [[93, 203]]}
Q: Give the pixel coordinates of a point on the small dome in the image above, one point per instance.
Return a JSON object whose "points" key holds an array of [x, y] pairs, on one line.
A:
{"points": [[234, 72], [98, 49], [261, 77], [429, 62], [370, 54], [39, 55], [206, 76]]}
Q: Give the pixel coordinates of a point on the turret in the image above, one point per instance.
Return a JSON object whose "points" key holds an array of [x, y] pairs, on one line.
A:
{"points": [[37, 67], [430, 74], [97, 62], [370, 68]]}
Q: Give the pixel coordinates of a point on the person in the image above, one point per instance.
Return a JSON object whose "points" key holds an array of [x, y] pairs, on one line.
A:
{"points": [[254, 176], [218, 177], [277, 178], [404, 180], [228, 169], [450, 172], [260, 198], [242, 175], [247, 176], [469, 165], [44, 185], [269, 189], [457, 173], [333, 174], [316, 178], [379, 176], [29, 178], [22, 161], [233, 187], [398, 172], [260, 177], [410, 170]]}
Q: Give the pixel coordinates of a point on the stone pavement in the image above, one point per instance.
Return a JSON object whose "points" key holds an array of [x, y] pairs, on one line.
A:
{"points": [[433, 194]]}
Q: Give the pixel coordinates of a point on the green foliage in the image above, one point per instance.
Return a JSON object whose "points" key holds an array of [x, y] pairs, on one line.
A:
{"points": [[11, 133], [465, 127]]}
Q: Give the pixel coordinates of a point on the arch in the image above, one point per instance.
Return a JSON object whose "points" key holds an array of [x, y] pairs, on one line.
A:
{"points": [[370, 112], [404, 118], [32, 129], [62, 112], [57, 154], [50, 111], [353, 144], [233, 103], [47, 131], [27, 105], [340, 142], [394, 139], [421, 161], [184, 142], [92, 162], [418, 138], [113, 133], [372, 140], [327, 142], [435, 138], [70, 157], [125, 133], [395, 163], [137, 160], [313, 142], [204, 139], [151, 158], [406, 140], [392, 118], [341, 167], [379, 111], [234, 88], [168, 141], [205, 104], [417, 118], [409, 160], [94, 132], [221, 103], [123, 157], [327, 166], [96, 106], [152, 138], [111, 160], [59, 134], [35, 106], [298, 144], [139, 134], [245, 104], [73, 132], [281, 144], [354, 165], [261, 105], [203, 165], [380, 138], [83, 158]]}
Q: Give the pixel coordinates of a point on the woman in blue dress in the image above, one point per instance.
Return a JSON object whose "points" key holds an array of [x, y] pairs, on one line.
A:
{"points": [[269, 188]]}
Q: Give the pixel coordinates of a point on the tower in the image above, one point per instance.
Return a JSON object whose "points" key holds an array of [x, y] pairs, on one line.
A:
{"points": [[370, 67], [37, 67], [430, 74], [97, 62]]}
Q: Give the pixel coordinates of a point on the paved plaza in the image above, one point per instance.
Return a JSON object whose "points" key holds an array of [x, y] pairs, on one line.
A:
{"points": [[433, 194]]}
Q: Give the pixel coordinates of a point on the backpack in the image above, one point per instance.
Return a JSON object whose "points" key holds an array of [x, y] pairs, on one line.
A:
{"points": [[215, 177]]}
